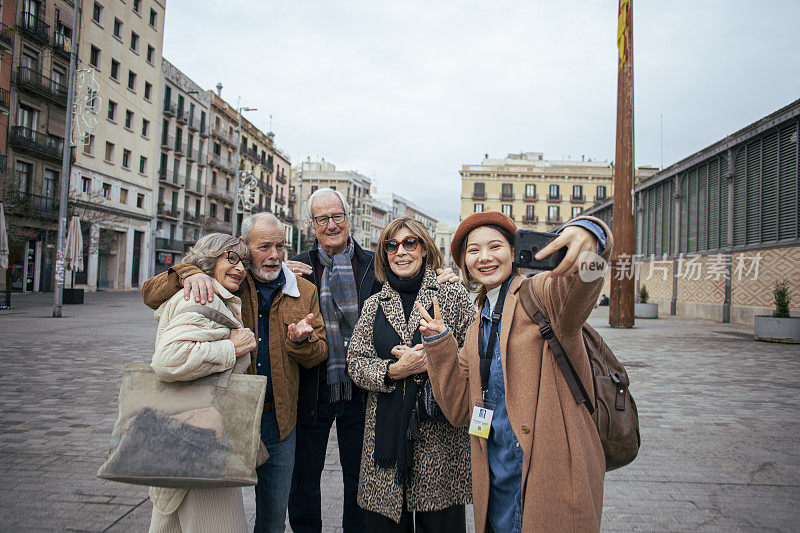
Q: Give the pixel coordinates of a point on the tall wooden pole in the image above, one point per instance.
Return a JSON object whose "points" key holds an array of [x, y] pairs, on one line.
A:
{"points": [[622, 268]]}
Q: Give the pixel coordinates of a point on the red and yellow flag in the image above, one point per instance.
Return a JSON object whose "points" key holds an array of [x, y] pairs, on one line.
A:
{"points": [[623, 31]]}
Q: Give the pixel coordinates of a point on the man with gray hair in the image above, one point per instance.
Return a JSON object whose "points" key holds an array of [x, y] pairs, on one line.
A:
{"points": [[345, 275], [284, 311]]}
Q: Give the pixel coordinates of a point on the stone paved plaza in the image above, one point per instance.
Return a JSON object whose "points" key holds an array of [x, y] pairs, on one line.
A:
{"points": [[719, 418]]}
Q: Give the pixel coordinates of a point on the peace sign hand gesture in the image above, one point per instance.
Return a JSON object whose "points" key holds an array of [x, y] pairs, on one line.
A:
{"points": [[428, 326]]}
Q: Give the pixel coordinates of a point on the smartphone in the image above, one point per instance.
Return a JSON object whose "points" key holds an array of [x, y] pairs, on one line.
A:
{"points": [[527, 243]]}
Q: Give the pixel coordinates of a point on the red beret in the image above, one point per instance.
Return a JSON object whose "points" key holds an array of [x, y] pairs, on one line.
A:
{"points": [[476, 220]]}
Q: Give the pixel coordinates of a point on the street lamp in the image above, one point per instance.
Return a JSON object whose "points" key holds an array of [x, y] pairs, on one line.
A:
{"points": [[239, 111]]}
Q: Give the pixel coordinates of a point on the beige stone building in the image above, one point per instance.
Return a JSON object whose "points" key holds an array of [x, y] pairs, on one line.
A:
{"points": [[220, 187], [403, 207], [380, 216], [538, 194], [114, 175], [444, 236], [312, 175]]}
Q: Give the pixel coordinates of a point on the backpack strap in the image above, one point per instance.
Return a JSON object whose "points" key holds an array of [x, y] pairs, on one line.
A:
{"points": [[534, 310], [220, 318]]}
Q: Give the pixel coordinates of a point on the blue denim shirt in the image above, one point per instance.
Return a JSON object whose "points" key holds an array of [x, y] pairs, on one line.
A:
{"points": [[596, 230], [267, 290], [505, 454]]}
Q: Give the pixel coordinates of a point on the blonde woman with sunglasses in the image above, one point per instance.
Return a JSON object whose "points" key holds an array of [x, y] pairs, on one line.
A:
{"points": [[415, 469]]}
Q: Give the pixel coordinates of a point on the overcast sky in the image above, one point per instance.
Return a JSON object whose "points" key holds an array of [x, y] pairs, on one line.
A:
{"points": [[406, 92]]}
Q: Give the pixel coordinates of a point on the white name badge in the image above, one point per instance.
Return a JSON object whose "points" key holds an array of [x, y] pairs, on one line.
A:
{"points": [[481, 421]]}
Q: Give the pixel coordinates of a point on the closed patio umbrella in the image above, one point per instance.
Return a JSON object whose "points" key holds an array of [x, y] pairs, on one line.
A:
{"points": [[3, 239], [73, 255]]}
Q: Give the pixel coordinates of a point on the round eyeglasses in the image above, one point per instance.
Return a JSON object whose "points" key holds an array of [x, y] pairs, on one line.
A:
{"points": [[409, 245], [323, 220], [234, 258]]}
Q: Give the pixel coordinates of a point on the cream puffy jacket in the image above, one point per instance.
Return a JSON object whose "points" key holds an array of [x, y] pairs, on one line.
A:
{"points": [[191, 346]]}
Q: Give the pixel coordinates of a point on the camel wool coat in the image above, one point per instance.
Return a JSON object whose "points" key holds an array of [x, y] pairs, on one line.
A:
{"points": [[563, 463]]}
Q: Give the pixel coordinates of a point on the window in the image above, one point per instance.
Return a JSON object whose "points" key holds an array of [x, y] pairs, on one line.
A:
{"points": [[27, 117], [576, 211], [508, 191], [601, 192], [554, 192], [129, 119], [214, 180], [94, 101], [478, 208], [97, 13], [132, 80], [151, 52], [212, 210], [553, 214], [530, 190], [153, 18], [137, 5], [227, 184], [135, 41], [88, 145], [117, 28], [107, 191], [530, 213], [24, 175], [507, 210], [142, 165], [148, 90], [126, 159], [115, 69], [112, 111], [94, 56], [145, 128], [577, 192], [109, 152], [50, 180], [123, 196], [140, 200], [86, 185], [227, 216]]}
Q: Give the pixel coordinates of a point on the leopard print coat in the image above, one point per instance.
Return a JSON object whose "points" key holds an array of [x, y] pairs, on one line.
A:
{"points": [[441, 475]]}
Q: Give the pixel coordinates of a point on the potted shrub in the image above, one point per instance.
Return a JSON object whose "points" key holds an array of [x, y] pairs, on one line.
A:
{"points": [[781, 326], [644, 309]]}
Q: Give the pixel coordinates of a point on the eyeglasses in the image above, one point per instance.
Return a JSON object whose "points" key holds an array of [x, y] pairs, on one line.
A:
{"points": [[409, 244], [234, 258], [323, 220]]}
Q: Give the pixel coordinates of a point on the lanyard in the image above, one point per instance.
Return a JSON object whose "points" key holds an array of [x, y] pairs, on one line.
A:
{"points": [[486, 357]]}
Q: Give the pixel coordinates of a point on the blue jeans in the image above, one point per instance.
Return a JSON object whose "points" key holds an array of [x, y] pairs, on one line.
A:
{"points": [[312, 442], [274, 477]]}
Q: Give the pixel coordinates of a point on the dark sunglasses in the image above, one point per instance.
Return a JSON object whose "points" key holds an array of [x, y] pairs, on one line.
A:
{"points": [[409, 244], [234, 258]]}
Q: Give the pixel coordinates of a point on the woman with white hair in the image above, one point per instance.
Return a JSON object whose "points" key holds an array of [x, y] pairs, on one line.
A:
{"points": [[189, 345]]}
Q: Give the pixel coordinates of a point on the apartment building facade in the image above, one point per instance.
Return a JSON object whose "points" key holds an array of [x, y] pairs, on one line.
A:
{"points": [[182, 168], [222, 164], [380, 217], [114, 176], [444, 236], [537, 193], [402, 207], [312, 175], [35, 40]]}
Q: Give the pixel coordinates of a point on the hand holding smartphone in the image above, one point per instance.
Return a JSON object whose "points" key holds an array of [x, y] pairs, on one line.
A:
{"points": [[527, 243]]}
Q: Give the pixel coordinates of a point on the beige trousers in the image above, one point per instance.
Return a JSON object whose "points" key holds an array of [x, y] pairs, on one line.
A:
{"points": [[202, 510]]}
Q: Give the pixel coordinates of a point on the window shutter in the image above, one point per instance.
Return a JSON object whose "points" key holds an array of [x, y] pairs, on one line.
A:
{"points": [[753, 203], [740, 198], [723, 201], [684, 233], [789, 175], [769, 188], [713, 204], [692, 204], [702, 208]]}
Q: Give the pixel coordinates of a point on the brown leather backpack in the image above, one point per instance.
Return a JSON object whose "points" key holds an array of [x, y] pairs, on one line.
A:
{"points": [[613, 410]]}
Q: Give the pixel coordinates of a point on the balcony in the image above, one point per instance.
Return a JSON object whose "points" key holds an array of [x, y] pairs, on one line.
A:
{"points": [[203, 130], [5, 98], [28, 205], [182, 118], [33, 141], [553, 197], [39, 84], [34, 27], [162, 174], [167, 142], [530, 219], [280, 200], [219, 192], [6, 37], [479, 195], [180, 149], [577, 199], [530, 198], [251, 153], [599, 198], [218, 161], [554, 220], [265, 187], [169, 212], [62, 45], [169, 109], [280, 178], [190, 218], [507, 196], [221, 135], [192, 123], [169, 245]]}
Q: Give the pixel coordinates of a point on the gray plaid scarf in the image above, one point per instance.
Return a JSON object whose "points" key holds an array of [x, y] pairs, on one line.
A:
{"points": [[339, 305]]}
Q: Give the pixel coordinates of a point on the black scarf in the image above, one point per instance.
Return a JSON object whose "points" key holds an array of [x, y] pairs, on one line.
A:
{"points": [[396, 415]]}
